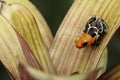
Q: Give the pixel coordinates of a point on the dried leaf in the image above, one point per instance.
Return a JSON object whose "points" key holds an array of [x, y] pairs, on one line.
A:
{"points": [[24, 22], [10, 55], [112, 74], [66, 57], [10, 49]]}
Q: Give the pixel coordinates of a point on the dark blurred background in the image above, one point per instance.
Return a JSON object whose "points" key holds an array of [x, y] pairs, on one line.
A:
{"points": [[54, 12]]}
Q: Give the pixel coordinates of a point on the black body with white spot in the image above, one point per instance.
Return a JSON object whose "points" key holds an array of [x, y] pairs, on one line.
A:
{"points": [[96, 27]]}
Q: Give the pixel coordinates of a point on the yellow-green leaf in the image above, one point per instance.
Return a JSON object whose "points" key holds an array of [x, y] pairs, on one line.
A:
{"points": [[30, 58], [103, 62], [38, 75], [42, 25]]}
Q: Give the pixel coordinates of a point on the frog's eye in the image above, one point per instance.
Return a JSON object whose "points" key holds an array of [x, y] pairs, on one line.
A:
{"points": [[85, 43]]}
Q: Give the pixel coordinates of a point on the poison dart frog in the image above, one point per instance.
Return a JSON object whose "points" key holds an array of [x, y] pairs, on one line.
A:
{"points": [[95, 30]]}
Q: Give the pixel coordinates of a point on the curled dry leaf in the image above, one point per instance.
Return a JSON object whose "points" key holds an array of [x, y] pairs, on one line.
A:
{"points": [[25, 23], [10, 50], [66, 57], [42, 25], [13, 50]]}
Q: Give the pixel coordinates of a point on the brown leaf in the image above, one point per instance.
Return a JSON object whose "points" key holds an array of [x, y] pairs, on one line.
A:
{"points": [[111, 74], [93, 75], [31, 60], [23, 73]]}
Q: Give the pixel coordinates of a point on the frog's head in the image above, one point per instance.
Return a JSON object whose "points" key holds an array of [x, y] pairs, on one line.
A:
{"points": [[84, 40]]}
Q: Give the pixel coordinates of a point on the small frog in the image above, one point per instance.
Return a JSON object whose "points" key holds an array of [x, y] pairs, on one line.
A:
{"points": [[95, 30]]}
